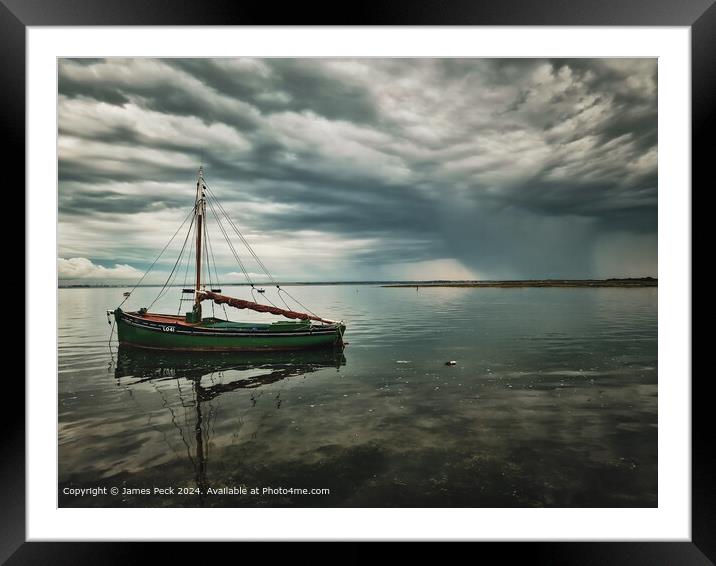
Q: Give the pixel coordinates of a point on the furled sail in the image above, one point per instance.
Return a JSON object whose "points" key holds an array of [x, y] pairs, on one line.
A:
{"points": [[242, 304]]}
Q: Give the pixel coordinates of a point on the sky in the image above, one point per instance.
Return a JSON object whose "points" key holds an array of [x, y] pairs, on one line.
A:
{"points": [[361, 169]]}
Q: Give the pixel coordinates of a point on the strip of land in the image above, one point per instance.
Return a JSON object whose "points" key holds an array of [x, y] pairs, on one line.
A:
{"points": [[632, 282]]}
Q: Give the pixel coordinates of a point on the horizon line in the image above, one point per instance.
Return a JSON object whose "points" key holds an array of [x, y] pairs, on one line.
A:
{"points": [[369, 281]]}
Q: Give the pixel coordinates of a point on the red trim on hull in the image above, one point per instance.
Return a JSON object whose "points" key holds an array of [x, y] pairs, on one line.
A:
{"points": [[163, 318]]}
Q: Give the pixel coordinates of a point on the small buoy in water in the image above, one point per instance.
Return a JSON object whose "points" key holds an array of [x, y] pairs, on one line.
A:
{"points": [[451, 363]]}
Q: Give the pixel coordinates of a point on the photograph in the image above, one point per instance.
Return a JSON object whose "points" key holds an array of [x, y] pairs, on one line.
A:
{"points": [[362, 282]]}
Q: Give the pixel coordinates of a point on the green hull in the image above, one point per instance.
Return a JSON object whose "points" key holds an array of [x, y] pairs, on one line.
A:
{"points": [[134, 330]]}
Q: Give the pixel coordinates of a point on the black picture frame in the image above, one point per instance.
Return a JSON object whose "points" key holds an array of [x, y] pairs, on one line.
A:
{"points": [[699, 15]]}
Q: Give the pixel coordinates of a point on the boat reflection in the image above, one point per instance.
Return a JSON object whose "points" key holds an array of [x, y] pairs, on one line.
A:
{"points": [[265, 367], [209, 376]]}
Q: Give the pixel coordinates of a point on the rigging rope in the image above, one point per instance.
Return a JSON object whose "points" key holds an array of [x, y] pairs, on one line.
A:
{"points": [[165, 287], [213, 259], [241, 236], [228, 241], [282, 299], [299, 303], [191, 212], [260, 263], [233, 250], [188, 263], [209, 258], [189, 257]]}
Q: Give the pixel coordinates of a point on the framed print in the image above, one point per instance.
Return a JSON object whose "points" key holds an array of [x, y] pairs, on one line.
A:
{"points": [[423, 275]]}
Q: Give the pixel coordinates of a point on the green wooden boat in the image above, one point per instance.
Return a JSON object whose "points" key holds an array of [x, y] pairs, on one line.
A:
{"points": [[192, 331]]}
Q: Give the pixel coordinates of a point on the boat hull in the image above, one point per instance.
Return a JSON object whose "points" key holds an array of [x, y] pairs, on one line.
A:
{"points": [[171, 333]]}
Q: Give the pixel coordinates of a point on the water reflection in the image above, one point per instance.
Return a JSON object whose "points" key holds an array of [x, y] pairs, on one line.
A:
{"points": [[552, 403], [147, 365], [209, 376]]}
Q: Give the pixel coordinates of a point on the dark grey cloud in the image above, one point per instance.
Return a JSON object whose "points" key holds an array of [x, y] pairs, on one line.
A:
{"points": [[288, 84], [491, 167]]}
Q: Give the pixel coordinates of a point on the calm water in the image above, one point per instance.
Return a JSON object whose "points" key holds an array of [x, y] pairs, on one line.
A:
{"points": [[553, 402]]}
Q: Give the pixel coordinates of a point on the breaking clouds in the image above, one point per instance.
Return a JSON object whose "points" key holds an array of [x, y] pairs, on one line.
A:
{"points": [[350, 169]]}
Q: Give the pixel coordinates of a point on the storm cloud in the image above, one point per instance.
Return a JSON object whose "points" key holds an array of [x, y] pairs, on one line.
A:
{"points": [[365, 169]]}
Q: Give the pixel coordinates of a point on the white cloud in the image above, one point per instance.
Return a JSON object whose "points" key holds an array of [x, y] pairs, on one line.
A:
{"points": [[77, 117], [340, 148], [83, 268]]}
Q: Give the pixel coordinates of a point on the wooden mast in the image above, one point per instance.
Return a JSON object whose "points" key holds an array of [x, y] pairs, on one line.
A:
{"points": [[199, 212]]}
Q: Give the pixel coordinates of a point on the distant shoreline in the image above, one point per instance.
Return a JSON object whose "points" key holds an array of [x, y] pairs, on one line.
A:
{"points": [[641, 282], [613, 282]]}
